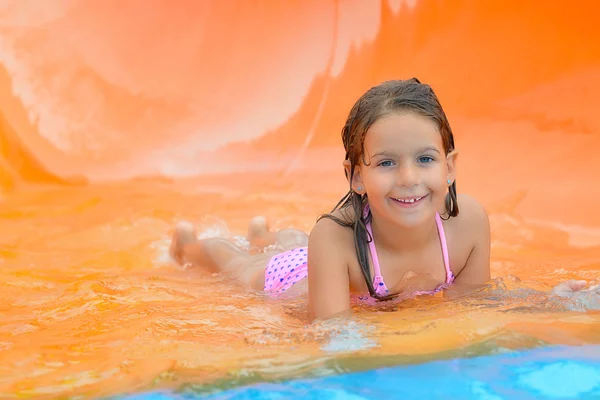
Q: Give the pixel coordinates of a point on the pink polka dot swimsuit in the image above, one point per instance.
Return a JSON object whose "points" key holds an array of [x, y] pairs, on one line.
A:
{"points": [[286, 269]]}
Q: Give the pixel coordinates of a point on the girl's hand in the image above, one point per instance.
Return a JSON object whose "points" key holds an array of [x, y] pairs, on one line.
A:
{"points": [[573, 286]]}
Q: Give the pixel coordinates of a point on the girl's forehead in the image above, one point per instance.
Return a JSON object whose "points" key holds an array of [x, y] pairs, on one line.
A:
{"points": [[404, 131]]}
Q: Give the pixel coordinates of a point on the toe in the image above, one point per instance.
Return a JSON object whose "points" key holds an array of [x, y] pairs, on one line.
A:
{"points": [[184, 233]]}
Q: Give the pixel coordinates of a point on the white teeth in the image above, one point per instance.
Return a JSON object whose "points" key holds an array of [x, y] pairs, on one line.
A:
{"points": [[409, 200]]}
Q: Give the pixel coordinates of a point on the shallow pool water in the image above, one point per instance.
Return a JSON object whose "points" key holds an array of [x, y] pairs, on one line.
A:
{"points": [[92, 305], [548, 373]]}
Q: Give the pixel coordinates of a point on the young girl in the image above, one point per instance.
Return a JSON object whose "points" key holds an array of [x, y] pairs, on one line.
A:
{"points": [[400, 231]]}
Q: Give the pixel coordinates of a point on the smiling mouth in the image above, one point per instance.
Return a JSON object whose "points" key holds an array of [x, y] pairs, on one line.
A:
{"points": [[409, 200]]}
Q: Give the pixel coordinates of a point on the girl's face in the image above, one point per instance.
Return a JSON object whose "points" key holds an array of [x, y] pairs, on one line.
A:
{"points": [[407, 171]]}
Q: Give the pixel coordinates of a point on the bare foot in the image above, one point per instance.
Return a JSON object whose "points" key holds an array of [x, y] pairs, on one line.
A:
{"points": [[259, 234], [184, 234]]}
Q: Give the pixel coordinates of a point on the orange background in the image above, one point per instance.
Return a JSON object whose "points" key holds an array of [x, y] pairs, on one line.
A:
{"points": [[119, 118]]}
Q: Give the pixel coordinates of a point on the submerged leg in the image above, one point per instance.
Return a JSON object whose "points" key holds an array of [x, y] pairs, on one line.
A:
{"points": [[292, 238], [216, 255], [260, 236]]}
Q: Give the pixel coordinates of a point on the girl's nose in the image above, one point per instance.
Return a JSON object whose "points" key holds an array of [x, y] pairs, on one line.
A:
{"points": [[407, 175]]}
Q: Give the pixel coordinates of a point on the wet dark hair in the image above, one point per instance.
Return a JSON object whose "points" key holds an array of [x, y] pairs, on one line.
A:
{"points": [[379, 101]]}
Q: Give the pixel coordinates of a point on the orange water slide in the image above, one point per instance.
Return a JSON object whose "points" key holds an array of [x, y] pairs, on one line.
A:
{"points": [[93, 91]]}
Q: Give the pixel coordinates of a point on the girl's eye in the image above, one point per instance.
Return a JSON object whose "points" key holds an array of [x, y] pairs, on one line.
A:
{"points": [[386, 163], [425, 159]]}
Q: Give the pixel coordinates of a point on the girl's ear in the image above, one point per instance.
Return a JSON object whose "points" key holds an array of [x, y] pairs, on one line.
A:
{"points": [[451, 166], [357, 182]]}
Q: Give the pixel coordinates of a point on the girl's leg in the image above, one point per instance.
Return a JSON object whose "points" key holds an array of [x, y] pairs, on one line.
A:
{"points": [[260, 236], [221, 255], [216, 255], [292, 238]]}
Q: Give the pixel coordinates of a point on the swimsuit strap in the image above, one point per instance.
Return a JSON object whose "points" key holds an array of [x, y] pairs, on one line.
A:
{"points": [[378, 282], [440, 227], [374, 257]]}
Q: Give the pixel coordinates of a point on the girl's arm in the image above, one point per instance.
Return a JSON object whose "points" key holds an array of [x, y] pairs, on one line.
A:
{"points": [[328, 280], [476, 224]]}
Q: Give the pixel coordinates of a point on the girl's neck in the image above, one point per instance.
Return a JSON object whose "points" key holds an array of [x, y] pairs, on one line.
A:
{"points": [[396, 238]]}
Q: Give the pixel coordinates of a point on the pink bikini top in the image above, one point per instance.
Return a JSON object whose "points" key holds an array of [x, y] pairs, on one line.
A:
{"points": [[379, 284]]}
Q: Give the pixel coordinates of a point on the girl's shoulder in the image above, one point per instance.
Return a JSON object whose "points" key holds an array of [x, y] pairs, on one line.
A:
{"points": [[472, 215], [336, 225], [468, 234], [333, 233], [469, 242]]}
